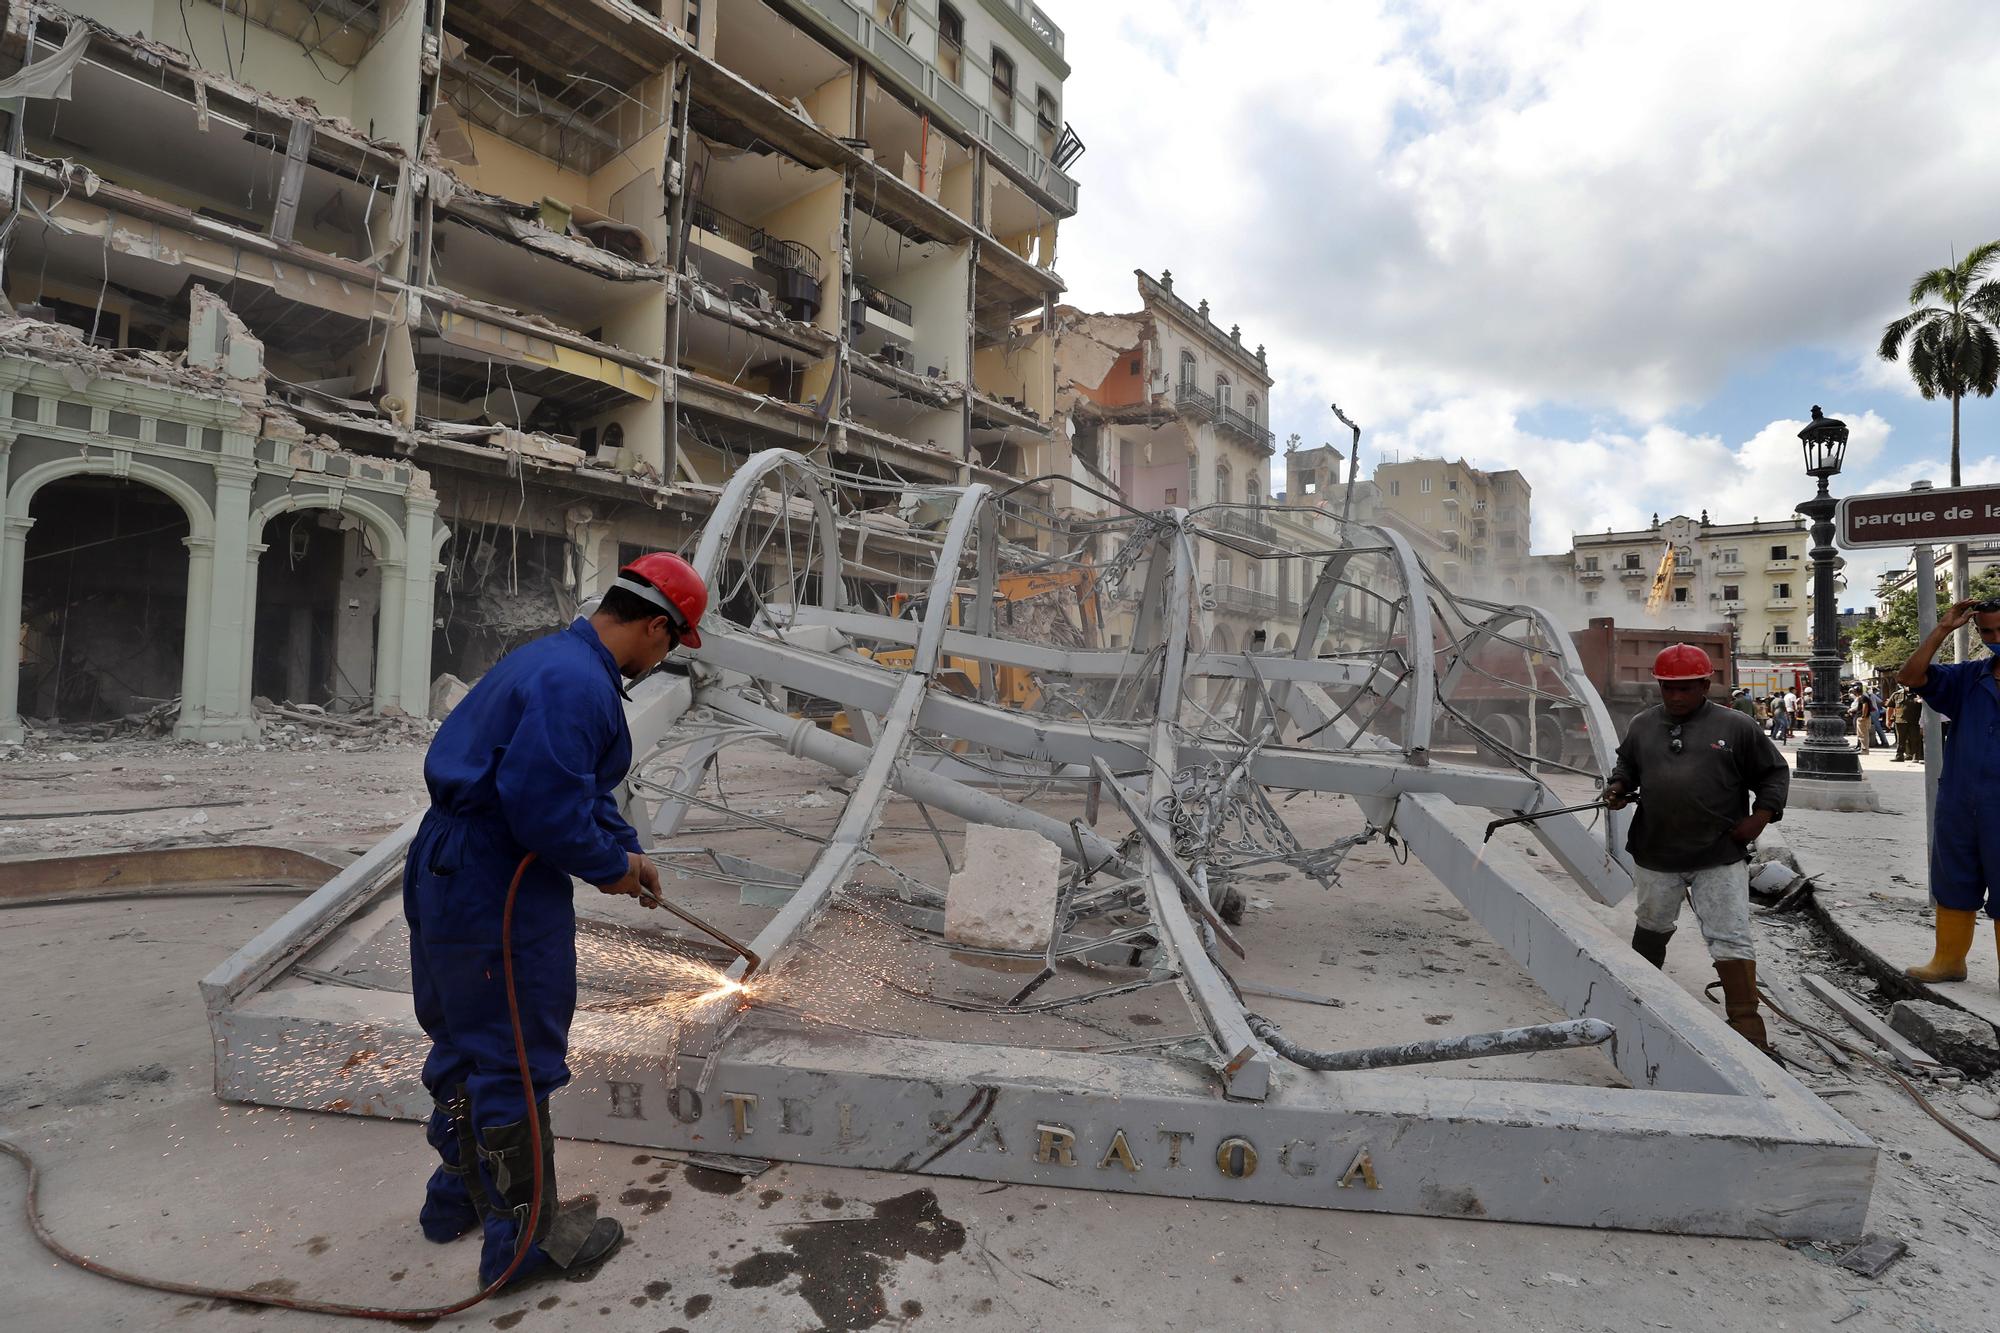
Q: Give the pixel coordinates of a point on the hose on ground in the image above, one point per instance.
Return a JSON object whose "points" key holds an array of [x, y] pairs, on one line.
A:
{"points": [[32, 1208], [1473, 1046], [1916, 1095]]}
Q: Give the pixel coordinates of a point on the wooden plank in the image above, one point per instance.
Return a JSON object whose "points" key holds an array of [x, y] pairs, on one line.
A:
{"points": [[1906, 1057]]}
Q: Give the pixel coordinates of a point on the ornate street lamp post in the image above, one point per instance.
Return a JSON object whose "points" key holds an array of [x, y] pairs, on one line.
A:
{"points": [[1827, 771]]}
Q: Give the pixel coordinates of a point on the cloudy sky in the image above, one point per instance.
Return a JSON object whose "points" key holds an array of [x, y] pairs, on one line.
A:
{"points": [[1623, 247]]}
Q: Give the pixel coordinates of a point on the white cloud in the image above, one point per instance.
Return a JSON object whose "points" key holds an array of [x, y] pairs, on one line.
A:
{"points": [[1446, 215]]}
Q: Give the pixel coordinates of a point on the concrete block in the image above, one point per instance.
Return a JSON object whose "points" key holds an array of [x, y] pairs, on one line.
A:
{"points": [[446, 691], [219, 341], [1846, 797], [1954, 1037], [1005, 897]]}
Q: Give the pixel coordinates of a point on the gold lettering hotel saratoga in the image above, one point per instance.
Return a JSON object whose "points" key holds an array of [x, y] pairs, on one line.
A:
{"points": [[1054, 1144]]}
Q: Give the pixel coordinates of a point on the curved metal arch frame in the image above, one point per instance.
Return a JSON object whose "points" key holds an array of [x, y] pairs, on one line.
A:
{"points": [[857, 821], [735, 504], [1421, 688]]}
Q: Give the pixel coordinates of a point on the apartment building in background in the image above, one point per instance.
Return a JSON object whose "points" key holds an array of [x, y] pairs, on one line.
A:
{"points": [[1754, 578], [352, 343], [1482, 518], [1170, 410]]}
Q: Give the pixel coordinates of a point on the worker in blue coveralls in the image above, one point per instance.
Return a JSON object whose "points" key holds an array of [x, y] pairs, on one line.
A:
{"points": [[527, 763], [1965, 842]]}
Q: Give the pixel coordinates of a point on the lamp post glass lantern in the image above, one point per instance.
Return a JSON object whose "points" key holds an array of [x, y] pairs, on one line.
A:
{"points": [[1825, 753]]}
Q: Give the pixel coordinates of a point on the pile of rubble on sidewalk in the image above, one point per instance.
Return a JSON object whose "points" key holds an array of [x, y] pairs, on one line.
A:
{"points": [[281, 726]]}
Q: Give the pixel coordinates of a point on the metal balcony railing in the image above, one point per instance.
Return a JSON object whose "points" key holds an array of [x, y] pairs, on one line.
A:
{"points": [[1192, 400], [1245, 523], [1234, 597], [877, 299], [1229, 419], [775, 251]]}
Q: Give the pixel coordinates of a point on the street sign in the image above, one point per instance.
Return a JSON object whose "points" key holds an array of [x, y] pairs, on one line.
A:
{"points": [[1912, 518]]}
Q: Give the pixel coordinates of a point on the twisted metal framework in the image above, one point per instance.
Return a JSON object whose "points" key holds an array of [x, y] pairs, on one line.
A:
{"points": [[978, 678]]}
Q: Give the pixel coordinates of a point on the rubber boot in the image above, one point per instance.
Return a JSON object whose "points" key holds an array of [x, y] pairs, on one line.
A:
{"points": [[569, 1238], [452, 1199], [1739, 1001], [1954, 941], [1651, 945]]}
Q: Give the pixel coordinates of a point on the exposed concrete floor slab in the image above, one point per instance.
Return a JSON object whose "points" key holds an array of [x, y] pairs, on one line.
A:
{"points": [[110, 1082]]}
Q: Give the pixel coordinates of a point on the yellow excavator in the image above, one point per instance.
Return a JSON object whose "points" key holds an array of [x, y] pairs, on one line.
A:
{"points": [[1013, 687]]}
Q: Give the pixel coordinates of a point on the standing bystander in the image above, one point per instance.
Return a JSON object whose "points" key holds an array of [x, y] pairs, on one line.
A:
{"points": [[1965, 840], [1908, 709]]}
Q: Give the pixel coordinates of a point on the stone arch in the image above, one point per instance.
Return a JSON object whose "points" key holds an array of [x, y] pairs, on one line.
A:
{"points": [[16, 517], [1282, 644], [396, 574], [386, 529], [200, 514]]}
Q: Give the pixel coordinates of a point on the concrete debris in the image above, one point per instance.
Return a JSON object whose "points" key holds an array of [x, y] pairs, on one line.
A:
{"points": [[1984, 1107], [1953, 1036], [59, 344], [446, 693], [207, 82], [528, 444], [523, 224], [1004, 896]]}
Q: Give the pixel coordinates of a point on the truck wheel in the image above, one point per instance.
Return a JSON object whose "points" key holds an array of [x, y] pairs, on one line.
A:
{"points": [[1506, 729]]}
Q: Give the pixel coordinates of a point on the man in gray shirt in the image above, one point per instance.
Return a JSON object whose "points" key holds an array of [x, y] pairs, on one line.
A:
{"points": [[1710, 780]]}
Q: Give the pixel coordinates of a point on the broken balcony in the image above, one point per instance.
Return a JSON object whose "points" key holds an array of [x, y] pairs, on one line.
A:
{"points": [[535, 259], [754, 266], [780, 59], [478, 364], [534, 95], [908, 309], [879, 325], [121, 266], [153, 130]]}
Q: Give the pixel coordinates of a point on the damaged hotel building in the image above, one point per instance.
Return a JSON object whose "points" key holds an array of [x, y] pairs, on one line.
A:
{"points": [[350, 341]]}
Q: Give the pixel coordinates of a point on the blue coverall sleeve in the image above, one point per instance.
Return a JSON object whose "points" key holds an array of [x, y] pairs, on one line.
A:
{"points": [[547, 784], [1943, 687], [616, 825]]}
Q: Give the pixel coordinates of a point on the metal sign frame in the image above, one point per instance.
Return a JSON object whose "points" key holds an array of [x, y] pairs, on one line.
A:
{"points": [[1710, 1137], [1980, 502]]}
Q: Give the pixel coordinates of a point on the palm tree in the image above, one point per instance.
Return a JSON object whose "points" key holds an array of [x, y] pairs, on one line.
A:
{"points": [[1953, 351]]}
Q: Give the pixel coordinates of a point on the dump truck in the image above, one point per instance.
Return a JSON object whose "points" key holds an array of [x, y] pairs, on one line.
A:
{"points": [[1618, 660]]}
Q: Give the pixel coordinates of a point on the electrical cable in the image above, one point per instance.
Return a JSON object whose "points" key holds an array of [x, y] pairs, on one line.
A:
{"points": [[1923, 1102], [31, 1206]]}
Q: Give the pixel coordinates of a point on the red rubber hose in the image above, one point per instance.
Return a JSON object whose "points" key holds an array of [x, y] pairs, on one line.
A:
{"points": [[32, 1209]]}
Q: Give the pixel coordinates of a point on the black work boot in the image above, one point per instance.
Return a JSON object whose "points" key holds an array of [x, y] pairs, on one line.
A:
{"points": [[571, 1238], [1651, 945]]}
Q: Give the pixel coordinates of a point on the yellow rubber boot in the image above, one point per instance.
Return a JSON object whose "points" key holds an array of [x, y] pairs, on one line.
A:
{"points": [[1954, 942]]}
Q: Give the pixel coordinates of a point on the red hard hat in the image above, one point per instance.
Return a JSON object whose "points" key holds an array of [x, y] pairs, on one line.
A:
{"points": [[1683, 661], [670, 583]]}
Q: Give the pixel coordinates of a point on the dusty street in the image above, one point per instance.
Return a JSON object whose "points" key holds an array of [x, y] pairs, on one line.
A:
{"points": [[110, 1084]]}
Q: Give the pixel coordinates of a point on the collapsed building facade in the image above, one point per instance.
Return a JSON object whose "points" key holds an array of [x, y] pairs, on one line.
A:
{"points": [[352, 343]]}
